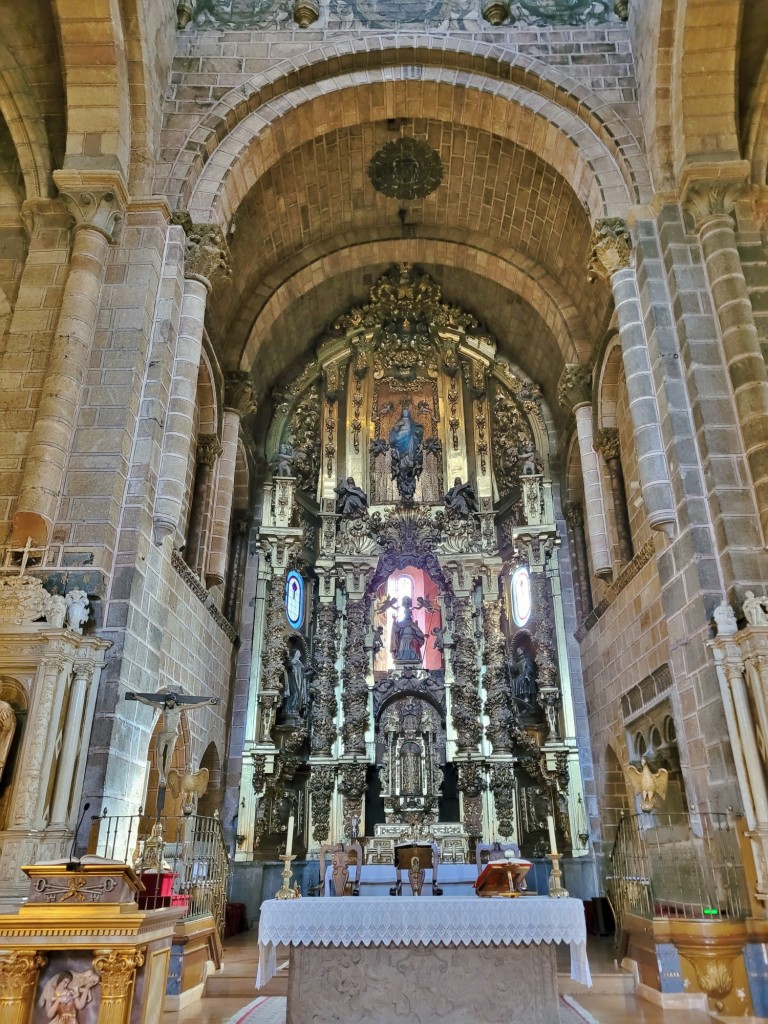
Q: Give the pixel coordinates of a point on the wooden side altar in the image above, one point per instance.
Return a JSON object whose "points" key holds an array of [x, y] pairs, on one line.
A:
{"points": [[491, 961]]}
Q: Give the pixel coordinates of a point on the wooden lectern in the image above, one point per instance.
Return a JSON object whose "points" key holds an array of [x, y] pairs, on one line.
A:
{"points": [[503, 877], [415, 858]]}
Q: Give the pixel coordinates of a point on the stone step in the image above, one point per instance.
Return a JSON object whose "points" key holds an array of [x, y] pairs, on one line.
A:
{"points": [[613, 984]]}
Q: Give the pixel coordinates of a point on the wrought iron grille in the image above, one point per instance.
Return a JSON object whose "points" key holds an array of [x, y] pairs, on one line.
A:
{"points": [[182, 861], [677, 865]]}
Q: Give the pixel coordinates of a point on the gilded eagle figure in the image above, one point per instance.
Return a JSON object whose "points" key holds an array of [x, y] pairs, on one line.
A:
{"points": [[650, 786], [191, 785]]}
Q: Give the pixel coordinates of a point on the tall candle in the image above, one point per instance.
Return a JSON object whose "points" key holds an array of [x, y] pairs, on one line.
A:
{"points": [[289, 842], [552, 837]]}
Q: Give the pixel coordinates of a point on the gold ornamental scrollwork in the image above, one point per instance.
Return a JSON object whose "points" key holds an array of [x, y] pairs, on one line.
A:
{"points": [[117, 968], [18, 975]]}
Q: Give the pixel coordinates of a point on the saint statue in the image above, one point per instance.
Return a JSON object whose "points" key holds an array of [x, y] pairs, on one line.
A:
{"points": [[352, 500], [407, 636], [295, 686], [7, 730], [283, 460], [461, 498], [523, 671], [755, 609], [405, 445]]}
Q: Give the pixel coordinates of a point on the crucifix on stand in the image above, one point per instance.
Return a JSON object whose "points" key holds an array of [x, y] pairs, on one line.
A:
{"points": [[170, 705]]}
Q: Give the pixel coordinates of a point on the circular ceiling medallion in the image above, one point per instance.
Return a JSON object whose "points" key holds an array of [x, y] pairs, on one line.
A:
{"points": [[406, 169]]}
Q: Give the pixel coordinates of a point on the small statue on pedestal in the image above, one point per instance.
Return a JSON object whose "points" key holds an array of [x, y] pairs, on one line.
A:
{"points": [[352, 500], [461, 498], [283, 460], [755, 609], [295, 688], [407, 636]]}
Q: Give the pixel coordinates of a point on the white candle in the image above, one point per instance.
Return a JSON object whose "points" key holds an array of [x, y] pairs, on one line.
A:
{"points": [[289, 842], [552, 837]]}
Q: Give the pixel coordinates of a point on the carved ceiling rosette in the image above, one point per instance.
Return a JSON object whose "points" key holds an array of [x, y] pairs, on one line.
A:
{"points": [[498, 701], [354, 696], [465, 698], [321, 783], [323, 685], [503, 788]]}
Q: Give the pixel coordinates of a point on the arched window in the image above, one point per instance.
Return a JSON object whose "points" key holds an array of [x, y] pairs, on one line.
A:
{"points": [[520, 587]]}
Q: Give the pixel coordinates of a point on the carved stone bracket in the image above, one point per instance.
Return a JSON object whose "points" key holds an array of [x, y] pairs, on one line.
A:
{"points": [[238, 393], [610, 248], [607, 443], [207, 254], [575, 386], [94, 199]]}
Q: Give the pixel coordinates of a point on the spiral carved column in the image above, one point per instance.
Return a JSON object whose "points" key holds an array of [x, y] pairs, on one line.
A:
{"points": [[465, 699], [354, 697], [497, 702], [323, 686]]}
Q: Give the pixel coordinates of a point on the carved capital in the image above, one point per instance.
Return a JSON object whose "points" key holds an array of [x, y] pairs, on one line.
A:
{"points": [[610, 248], [208, 449], [185, 12], [575, 386], [707, 199], [18, 973], [117, 968], [238, 393], [94, 199], [574, 514], [621, 7], [207, 253], [607, 443]]}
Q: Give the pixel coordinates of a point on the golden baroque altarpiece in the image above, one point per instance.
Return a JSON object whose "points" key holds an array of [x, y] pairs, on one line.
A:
{"points": [[409, 660]]}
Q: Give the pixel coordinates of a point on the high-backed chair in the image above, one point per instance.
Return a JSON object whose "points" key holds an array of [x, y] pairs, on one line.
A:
{"points": [[493, 851], [342, 856]]}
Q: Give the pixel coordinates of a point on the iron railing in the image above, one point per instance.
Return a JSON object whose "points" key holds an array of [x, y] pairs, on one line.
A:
{"points": [[677, 865], [182, 861]]}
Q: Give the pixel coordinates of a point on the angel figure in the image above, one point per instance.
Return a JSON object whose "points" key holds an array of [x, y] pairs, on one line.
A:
{"points": [[650, 786], [190, 785], [66, 993]]}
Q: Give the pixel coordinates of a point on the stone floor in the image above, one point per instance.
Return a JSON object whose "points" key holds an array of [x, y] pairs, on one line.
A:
{"points": [[231, 998]]}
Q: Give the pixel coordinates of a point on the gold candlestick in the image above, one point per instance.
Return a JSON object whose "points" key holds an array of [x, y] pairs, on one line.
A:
{"points": [[556, 890], [286, 890]]}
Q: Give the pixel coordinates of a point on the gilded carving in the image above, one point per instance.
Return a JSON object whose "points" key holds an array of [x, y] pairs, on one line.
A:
{"points": [[715, 977], [610, 248], [352, 787], [503, 788], [650, 786], [117, 968], [18, 974], [259, 767], [321, 784], [274, 657], [465, 698], [511, 437], [471, 778], [498, 701], [354, 696], [324, 681]]}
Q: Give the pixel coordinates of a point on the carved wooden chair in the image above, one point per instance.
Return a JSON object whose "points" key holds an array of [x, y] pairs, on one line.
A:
{"points": [[342, 855]]}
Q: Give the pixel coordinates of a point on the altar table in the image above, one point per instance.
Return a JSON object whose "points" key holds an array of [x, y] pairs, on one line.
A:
{"points": [[384, 959]]}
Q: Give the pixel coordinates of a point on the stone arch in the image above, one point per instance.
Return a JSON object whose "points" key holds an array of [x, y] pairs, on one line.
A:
{"points": [[206, 410], [210, 801], [518, 273], [241, 498], [26, 126], [93, 49], [615, 799], [554, 133], [608, 385], [6, 312], [536, 86], [705, 81], [755, 129], [574, 483]]}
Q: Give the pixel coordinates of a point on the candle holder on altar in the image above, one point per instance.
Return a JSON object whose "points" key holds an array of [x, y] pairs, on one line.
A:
{"points": [[556, 889], [286, 890]]}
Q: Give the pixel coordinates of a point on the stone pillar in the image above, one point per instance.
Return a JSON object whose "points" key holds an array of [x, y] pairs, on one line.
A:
{"points": [[238, 557], [96, 202], [607, 443], [37, 751], [208, 451], [574, 516], [206, 259], [238, 402], [574, 390], [611, 247], [19, 971], [712, 206], [117, 968], [73, 737]]}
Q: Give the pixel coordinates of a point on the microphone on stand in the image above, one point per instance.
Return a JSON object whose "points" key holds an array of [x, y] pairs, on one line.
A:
{"points": [[72, 864]]}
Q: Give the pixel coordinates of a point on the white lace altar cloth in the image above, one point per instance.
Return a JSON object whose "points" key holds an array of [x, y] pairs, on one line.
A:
{"points": [[408, 921]]}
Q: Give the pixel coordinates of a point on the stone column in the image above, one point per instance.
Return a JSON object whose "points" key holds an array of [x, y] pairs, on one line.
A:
{"points": [[574, 516], [574, 390], [117, 968], [611, 247], [238, 557], [19, 971], [208, 451], [607, 443], [73, 737], [96, 202], [206, 259], [712, 206], [465, 699], [238, 402]]}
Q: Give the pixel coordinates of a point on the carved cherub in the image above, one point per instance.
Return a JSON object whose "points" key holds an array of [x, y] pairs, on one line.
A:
{"points": [[650, 786]]}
